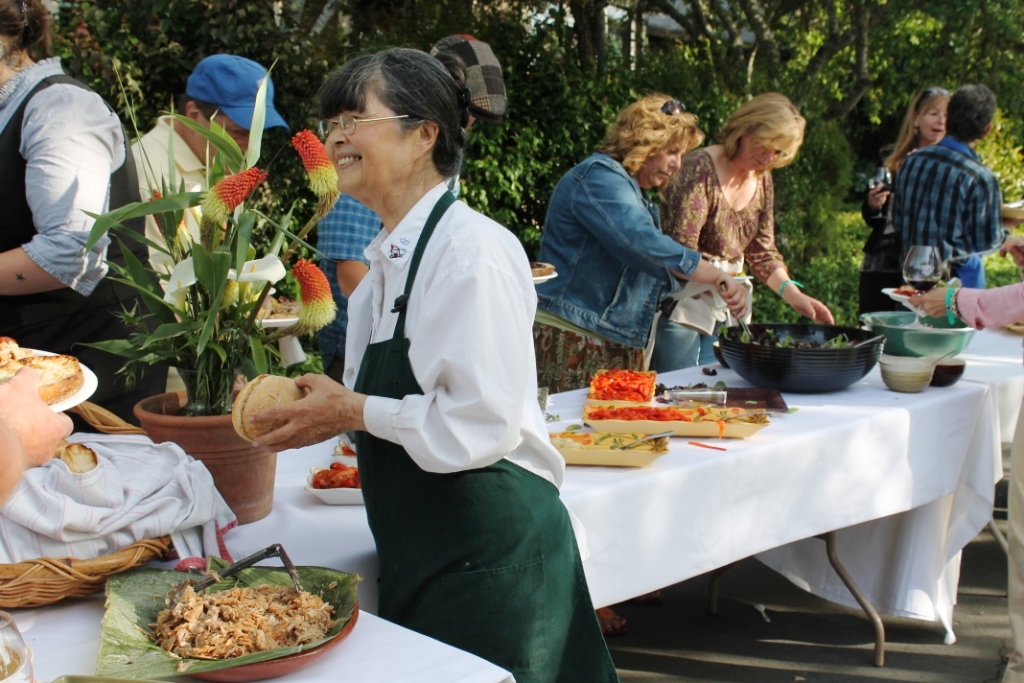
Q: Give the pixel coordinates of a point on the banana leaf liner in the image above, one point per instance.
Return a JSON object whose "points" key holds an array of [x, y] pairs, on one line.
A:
{"points": [[134, 598]]}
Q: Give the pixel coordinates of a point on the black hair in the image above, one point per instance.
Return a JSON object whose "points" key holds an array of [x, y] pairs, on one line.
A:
{"points": [[408, 82], [971, 109]]}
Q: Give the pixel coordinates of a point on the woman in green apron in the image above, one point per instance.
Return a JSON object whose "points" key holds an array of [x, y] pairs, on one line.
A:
{"points": [[459, 478]]}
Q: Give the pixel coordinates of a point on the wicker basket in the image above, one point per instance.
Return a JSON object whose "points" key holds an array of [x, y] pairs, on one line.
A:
{"points": [[45, 581]]}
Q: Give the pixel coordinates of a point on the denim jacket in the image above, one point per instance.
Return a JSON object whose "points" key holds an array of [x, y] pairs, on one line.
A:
{"points": [[612, 259]]}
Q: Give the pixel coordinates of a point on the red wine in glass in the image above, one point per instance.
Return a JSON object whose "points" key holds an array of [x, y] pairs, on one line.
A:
{"points": [[922, 285]]}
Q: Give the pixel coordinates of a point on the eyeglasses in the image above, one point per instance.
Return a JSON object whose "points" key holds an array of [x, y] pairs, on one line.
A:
{"points": [[932, 92], [673, 107], [347, 123]]}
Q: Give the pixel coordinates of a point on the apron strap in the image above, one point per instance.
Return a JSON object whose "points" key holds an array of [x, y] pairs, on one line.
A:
{"points": [[402, 302]]}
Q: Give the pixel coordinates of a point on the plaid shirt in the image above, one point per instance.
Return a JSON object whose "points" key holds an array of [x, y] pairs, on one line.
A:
{"points": [[342, 235], [945, 197]]}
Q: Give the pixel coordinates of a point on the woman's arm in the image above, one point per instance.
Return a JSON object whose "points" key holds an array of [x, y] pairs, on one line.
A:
{"points": [[21, 275], [72, 143], [605, 203]]}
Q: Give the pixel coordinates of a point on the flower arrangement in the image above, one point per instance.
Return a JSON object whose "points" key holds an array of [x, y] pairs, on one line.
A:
{"points": [[202, 315]]}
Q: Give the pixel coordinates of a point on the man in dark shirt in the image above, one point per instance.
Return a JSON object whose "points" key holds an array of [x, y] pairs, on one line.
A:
{"points": [[945, 197]]}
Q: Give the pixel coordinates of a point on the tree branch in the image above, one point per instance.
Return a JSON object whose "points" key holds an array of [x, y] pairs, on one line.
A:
{"points": [[766, 42]]}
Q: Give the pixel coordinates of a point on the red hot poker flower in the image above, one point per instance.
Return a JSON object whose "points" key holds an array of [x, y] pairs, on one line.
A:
{"points": [[318, 306], [323, 177], [223, 197]]}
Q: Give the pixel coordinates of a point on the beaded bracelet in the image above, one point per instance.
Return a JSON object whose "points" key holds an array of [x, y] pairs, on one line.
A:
{"points": [[782, 287], [952, 309]]}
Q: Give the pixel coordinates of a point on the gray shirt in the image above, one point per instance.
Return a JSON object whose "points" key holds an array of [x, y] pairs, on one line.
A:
{"points": [[71, 142]]}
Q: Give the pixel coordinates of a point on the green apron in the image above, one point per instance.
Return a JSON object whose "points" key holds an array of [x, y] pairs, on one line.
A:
{"points": [[484, 559]]}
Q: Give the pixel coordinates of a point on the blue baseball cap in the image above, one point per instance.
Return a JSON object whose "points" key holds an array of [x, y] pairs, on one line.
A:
{"points": [[231, 82]]}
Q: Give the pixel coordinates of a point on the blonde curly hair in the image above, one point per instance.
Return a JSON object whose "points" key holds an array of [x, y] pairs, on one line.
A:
{"points": [[774, 121], [643, 129]]}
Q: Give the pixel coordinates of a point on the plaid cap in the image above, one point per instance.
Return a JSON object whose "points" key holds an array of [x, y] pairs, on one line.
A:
{"points": [[483, 75]]}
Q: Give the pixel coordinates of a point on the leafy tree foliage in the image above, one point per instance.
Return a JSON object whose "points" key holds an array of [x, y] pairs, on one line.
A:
{"points": [[851, 66]]}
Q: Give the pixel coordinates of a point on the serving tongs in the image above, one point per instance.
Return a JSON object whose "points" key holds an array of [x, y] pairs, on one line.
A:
{"points": [[642, 439], [175, 594], [708, 395]]}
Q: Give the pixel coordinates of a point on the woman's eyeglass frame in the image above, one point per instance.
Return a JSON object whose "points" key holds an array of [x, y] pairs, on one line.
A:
{"points": [[347, 123], [932, 92], [673, 107]]}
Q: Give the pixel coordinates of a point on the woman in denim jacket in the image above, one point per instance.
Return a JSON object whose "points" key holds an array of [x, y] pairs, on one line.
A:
{"points": [[614, 264]]}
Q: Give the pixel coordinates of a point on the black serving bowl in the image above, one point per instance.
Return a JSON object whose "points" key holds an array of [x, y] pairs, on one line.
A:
{"points": [[807, 371]]}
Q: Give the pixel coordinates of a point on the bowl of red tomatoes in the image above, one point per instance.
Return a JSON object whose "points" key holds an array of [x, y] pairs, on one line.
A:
{"points": [[336, 485]]}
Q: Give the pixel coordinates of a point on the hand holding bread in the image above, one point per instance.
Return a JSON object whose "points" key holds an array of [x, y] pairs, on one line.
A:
{"points": [[322, 409], [29, 430]]}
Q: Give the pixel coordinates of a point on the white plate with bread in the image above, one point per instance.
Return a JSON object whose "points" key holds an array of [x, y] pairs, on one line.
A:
{"points": [[87, 388], [63, 381]]}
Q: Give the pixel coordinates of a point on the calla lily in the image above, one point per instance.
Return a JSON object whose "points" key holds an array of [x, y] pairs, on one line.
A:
{"points": [[266, 269], [182, 277]]}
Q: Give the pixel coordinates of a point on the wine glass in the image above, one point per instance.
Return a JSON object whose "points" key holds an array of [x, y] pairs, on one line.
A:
{"points": [[882, 177], [15, 656], [923, 267]]}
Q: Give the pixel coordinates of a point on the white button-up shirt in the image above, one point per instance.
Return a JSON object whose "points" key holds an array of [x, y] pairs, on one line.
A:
{"points": [[470, 325]]}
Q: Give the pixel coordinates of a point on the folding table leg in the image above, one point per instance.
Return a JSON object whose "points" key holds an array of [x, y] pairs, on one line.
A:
{"points": [[716, 578], [1000, 537], [876, 621]]}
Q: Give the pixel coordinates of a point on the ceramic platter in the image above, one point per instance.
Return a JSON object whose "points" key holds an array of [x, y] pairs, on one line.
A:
{"points": [[708, 428], [598, 449]]}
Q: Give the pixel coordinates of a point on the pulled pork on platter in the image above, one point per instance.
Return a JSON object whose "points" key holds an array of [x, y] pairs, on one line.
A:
{"points": [[241, 620]]}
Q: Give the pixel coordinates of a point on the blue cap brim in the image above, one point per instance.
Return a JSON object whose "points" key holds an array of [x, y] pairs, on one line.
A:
{"points": [[243, 117]]}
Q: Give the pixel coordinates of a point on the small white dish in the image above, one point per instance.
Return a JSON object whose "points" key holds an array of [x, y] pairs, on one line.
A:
{"points": [[269, 323], [340, 496], [544, 278]]}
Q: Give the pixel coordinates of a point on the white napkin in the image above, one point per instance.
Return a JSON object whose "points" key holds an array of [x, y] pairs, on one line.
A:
{"points": [[139, 490]]}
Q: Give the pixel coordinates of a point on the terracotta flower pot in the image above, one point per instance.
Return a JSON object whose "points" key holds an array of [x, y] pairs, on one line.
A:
{"points": [[244, 475]]}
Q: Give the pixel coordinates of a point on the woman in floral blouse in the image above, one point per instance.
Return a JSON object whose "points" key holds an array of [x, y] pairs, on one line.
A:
{"points": [[721, 203]]}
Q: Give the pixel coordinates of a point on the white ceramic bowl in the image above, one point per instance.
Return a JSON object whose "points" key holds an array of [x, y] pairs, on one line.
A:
{"points": [[340, 496], [905, 374]]}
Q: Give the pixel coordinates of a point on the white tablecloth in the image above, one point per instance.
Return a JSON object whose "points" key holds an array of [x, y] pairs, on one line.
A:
{"points": [[912, 474], [994, 358], [65, 637]]}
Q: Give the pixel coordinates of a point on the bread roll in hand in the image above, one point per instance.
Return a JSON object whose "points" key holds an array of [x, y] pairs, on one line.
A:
{"points": [[262, 392]]}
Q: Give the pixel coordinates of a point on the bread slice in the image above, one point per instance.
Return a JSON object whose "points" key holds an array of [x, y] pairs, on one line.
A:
{"points": [[262, 392], [79, 459], [59, 376], [9, 350]]}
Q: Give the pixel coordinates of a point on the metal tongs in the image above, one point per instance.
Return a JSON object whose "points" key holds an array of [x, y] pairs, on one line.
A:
{"points": [[715, 396], [174, 595], [642, 439]]}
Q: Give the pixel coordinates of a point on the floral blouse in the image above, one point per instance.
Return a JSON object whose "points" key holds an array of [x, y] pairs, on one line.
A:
{"points": [[695, 213]]}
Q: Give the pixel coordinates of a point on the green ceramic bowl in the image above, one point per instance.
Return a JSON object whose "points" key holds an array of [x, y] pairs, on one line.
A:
{"points": [[905, 338]]}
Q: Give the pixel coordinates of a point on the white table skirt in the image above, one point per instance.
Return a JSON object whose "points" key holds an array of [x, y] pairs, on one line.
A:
{"points": [[919, 469], [994, 357]]}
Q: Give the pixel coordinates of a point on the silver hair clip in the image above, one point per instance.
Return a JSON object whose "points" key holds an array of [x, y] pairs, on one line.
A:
{"points": [[24, 8]]}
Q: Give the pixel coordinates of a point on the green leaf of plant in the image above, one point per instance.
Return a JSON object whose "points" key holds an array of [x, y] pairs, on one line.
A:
{"points": [[216, 136], [259, 354], [243, 238], [259, 119], [113, 219]]}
